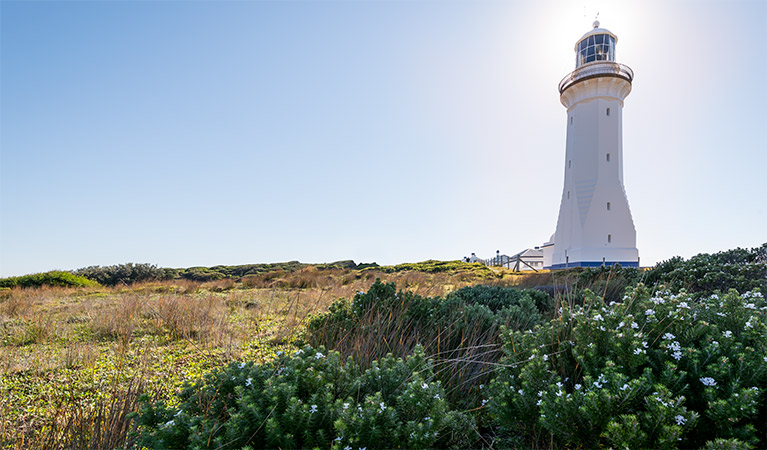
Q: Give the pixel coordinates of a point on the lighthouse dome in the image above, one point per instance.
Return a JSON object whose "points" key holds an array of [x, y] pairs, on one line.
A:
{"points": [[598, 44]]}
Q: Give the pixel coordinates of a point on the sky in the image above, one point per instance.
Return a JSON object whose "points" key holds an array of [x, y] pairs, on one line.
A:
{"points": [[199, 133]]}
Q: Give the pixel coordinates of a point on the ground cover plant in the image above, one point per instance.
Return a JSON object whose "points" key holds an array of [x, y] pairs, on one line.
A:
{"points": [[467, 358]]}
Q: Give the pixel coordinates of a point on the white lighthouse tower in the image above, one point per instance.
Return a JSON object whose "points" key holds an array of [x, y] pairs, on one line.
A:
{"points": [[594, 227]]}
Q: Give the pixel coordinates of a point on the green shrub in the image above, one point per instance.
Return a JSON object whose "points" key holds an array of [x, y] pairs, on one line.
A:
{"points": [[311, 400], [461, 331], [54, 278], [124, 273], [704, 274], [659, 370]]}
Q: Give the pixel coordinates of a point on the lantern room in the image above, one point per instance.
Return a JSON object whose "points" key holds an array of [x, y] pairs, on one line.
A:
{"points": [[596, 45]]}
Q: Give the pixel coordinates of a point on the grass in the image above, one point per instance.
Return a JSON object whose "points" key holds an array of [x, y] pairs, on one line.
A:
{"points": [[73, 361]]}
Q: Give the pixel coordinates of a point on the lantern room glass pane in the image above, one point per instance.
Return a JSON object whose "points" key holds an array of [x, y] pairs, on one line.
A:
{"points": [[600, 47]]}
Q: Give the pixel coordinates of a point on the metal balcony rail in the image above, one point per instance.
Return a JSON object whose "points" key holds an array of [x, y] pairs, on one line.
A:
{"points": [[596, 69]]}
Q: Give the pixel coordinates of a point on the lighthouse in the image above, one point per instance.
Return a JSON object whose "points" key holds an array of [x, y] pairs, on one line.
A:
{"points": [[594, 226]]}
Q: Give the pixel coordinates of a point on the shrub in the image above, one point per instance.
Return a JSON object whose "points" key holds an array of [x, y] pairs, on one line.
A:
{"points": [[461, 331], [54, 278], [704, 274], [310, 400], [659, 370], [125, 273]]}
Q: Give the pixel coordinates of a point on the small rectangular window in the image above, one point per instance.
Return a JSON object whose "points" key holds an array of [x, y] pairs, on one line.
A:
{"points": [[571, 120], [608, 111], [608, 206], [609, 238], [568, 194], [569, 163], [608, 157]]}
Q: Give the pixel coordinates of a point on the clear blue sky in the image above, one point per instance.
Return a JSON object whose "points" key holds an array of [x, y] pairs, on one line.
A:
{"points": [[185, 133]]}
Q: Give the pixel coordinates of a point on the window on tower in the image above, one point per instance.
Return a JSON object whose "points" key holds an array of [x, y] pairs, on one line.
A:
{"points": [[569, 163], [597, 47], [608, 111], [608, 206], [608, 157], [609, 238]]}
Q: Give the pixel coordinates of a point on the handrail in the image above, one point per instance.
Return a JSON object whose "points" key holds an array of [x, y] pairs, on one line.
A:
{"points": [[596, 69]]}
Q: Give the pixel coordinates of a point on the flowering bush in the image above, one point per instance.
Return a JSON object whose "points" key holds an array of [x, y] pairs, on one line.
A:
{"points": [[658, 370], [310, 400], [704, 274]]}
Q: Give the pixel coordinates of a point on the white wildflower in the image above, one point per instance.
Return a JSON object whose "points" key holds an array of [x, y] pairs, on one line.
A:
{"points": [[319, 355], [649, 312], [669, 336], [708, 381], [578, 387], [382, 406], [598, 317], [313, 409], [242, 365], [545, 357], [436, 396], [169, 423], [248, 382], [728, 334], [634, 325]]}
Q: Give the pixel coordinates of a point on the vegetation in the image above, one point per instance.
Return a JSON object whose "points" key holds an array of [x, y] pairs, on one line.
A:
{"points": [[428, 355], [54, 278]]}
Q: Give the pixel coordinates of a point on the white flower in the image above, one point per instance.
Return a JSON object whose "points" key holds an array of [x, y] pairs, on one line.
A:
{"points": [[578, 387], [680, 420], [521, 392], [319, 355], [649, 312], [338, 439], [634, 325], [708, 381], [347, 448], [313, 409], [639, 350], [602, 328], [383, 406], [427, 418], [484, 402], [677, 355], [169, 423], [540, 393], [425, 386], [539, 402], [559, 393], [728, 334], [436, 396], [298, 352], [620, 325], [669, 336], [624, 387], [545, 357], [748, 324], [684, 305], [248, 382], [749, 306], [242, 365], [644, 344], [598, 317]]}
